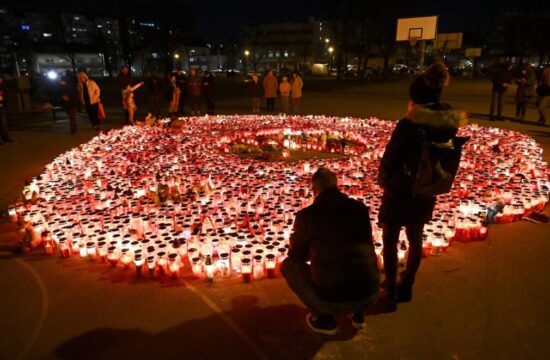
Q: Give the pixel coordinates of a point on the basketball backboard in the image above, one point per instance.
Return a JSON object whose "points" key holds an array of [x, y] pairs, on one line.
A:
{"points": [[418, 28], [447, 41]]}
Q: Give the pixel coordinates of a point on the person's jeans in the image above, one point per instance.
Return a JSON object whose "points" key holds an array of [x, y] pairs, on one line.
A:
{"points": [[92, 111], [71, 113], [543, 103], [521, 109], [181, 109], [390, 238], [270, 104], [298, 278], [497, 100], [285, 103], [195, 105], [296, 105]]}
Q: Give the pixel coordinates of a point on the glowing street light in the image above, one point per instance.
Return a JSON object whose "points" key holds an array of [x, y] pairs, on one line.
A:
{"points": [[330, 50], [246, 53], [176, 56], [327, 40], [52, 75]]}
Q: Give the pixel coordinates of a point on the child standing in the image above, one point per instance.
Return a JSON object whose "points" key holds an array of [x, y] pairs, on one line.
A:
{"points": [[128, 101]]}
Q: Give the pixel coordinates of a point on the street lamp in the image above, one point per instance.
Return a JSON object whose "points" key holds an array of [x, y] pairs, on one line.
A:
{"points": [[330, 51], [176, 56], [246, 54], [327, 40]]}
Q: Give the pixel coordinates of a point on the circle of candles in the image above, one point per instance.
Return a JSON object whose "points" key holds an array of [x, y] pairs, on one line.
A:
{"points": [[111, 187]]}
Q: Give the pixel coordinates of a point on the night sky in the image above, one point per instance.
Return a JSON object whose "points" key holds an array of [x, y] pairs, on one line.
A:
{"points": [[221, 20]]}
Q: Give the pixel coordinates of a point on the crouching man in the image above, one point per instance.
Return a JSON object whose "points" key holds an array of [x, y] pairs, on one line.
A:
{"points": [[335, 235]]}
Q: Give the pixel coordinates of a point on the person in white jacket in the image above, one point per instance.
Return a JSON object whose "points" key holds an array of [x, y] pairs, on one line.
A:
{"points": [[88, 93], [284, 89]]}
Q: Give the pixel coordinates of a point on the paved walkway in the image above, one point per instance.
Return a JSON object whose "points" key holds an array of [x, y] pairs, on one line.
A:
{"points": [[486, 300]]}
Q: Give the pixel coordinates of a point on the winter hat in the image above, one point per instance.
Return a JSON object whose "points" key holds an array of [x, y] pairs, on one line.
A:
{"points": [[427, 87]]}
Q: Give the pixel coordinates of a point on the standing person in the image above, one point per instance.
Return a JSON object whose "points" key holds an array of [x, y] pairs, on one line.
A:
{"points": [[181, 83], [543, 91], [501, 78], [124, 79], [174, 96], [4, 135], [69, 100], [335, 235], [284, 89], [525, 91], [296, 94], [88, 94], [129, 103], [256, 93], [426, 120], [195, 91], [270, 90], [154, 84], [208, 87]]}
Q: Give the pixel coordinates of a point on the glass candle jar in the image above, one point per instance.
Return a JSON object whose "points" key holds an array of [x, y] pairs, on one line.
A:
{"points": [[246, 269]]}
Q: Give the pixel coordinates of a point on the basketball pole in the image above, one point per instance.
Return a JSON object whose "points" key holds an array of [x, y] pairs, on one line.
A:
{"points": [[422, 50]]}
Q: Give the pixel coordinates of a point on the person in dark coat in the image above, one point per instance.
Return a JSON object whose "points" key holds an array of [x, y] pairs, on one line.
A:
{"points": [[154, 85], [399, 208], [208, 91], [181, 83], [501, 78], [4, 135], [525, 91], [256, 93], [335, 235], [195, 91], [69, 100]]}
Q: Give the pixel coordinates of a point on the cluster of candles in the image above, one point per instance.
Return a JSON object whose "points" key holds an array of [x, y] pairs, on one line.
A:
{"points": [[164, 200]]}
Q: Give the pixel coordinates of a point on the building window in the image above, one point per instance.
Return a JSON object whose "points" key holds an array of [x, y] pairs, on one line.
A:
{"points": [[286, 53], [47, 35]]}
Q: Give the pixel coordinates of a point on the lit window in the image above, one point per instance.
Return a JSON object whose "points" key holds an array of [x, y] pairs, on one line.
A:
{"points": [[286, 53], [77, 18], [47, 35]]}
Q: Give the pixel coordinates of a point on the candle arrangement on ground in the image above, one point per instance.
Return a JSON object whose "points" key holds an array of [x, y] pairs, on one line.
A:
{"points": [[184, 200]]}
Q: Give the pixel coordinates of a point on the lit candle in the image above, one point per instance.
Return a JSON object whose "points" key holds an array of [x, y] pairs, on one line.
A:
{"points": [[139, 261], [246, 269], [209, 268], [196, 267], [270, 264]]}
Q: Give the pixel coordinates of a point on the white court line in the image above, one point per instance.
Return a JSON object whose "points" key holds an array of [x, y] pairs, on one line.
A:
{"points": [[240, 333], [43, 310]]}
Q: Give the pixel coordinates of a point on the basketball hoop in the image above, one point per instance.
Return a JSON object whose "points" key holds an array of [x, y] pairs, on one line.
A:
{"points": [[413, 40]]}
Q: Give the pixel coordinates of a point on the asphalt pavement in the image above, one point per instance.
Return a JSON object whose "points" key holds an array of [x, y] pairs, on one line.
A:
{"points": [[482, 300]]}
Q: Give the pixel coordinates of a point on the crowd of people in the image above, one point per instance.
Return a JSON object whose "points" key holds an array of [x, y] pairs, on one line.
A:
{"points": [[529, 87]]}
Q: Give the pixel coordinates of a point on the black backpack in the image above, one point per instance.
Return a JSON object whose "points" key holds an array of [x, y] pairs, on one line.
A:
{"points": [[437, 166]]}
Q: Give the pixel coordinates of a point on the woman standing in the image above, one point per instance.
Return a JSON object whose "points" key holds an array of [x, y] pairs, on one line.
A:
{"points": [[296, 92], [270, 90], [88, 93], [427, 120]]}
